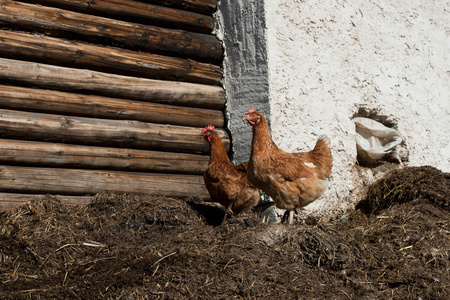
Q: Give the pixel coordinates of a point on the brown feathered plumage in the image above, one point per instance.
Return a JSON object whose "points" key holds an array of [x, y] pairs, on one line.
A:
{"points": [[227, 183], [293, 180]]}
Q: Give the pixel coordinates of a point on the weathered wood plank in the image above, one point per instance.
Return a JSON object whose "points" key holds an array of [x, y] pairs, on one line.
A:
{"points": [[48, 101], [117, 86], [9, 201], [26, 180], [101, 132], [55, 51], [137, 12], [58, 22], [75, 156], [201, 6]]}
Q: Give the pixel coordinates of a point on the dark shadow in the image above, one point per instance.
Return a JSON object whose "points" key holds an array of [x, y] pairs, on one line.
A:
{"points": [[213, 215]]}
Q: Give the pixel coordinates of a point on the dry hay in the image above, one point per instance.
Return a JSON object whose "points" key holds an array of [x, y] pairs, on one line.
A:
{"points": [[145, 247]]}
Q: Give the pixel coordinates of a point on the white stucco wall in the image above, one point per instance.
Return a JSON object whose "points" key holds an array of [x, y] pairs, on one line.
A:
{"points": [[328, 58]]}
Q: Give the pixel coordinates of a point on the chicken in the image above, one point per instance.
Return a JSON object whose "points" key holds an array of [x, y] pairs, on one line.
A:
{"points": [[227, 183], [293, 180]]}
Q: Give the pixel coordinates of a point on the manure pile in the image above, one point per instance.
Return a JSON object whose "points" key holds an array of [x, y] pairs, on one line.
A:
{"points": [[395, 246]]}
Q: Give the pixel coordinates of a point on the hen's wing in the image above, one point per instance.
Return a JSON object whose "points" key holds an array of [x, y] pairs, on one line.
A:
{"points": [[241, 168], [289, 166], [217, 172]]}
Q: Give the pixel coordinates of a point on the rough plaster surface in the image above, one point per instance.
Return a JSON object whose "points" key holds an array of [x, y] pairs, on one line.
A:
{"points": [[325, 60], [241, 27]]}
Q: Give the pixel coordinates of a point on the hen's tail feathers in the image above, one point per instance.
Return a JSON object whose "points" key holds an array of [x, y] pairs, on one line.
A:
{"points": [[322, 145], [323, 139], [322, 155]]}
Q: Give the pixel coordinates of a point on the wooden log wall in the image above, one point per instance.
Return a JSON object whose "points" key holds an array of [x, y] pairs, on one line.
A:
{"points": [[107, 95]]}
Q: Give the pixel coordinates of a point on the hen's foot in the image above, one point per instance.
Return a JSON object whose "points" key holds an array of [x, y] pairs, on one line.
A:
{"points": [[289, 215]]}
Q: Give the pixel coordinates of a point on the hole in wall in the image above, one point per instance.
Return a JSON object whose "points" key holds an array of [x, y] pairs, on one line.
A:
{"points": [[378, 141], [374, 114]]}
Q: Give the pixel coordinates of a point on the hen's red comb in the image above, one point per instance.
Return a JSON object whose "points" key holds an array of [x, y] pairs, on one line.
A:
{"points": [[251, 109], [209, 127]]}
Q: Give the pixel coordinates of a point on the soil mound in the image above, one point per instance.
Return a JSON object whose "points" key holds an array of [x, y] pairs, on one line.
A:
{"points": [[407, 184], [146, 247]]}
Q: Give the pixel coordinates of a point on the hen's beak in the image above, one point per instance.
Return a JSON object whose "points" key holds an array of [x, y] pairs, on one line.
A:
{"points": [[247, 118]]}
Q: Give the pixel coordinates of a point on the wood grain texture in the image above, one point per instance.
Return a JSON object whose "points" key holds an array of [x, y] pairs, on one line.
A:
{"points": [[73, 25], [137, 12], [201, 6], [102, 132], [48, 101], [27, 180], [9, 201], [111, 85], [56, 51], [45, 154]]}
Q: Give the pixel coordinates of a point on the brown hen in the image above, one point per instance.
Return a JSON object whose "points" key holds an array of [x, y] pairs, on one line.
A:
{"points": [[227, 183], [293, 180]]}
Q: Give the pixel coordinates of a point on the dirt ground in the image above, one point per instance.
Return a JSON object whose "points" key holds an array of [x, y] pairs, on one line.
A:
{"points": [[395, 245]]}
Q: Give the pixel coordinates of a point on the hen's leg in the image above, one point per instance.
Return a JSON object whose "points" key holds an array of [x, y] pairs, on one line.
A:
{"points": [[291, 216], [285, 216], [225, 216], [227, 211]]}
